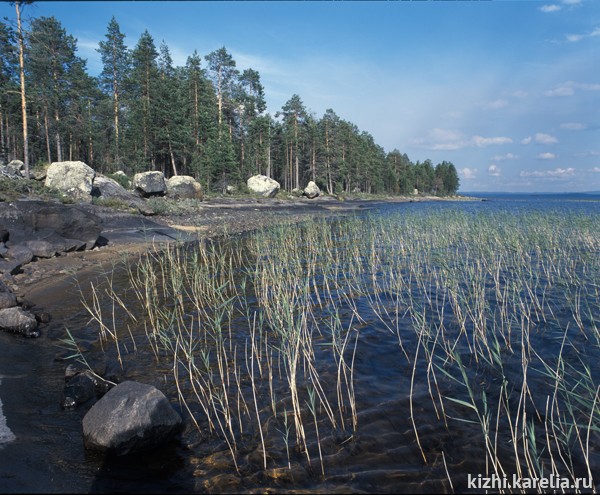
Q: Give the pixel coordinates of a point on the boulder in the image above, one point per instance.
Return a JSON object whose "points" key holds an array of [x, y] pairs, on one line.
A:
{"points": [[66, 227], [14, 169], [41, 248], [7, 299], [18, 321], [311, 190], [131, 417], [184, 187], [149, 184], [72, 179], [263, 185]]}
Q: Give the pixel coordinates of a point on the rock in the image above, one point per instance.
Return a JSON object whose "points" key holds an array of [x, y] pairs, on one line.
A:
{"points": [[107, 188], [4, 234], [150, 184], [184, 187], [18, 321], [131, 417], [7, 300], [229, 189], [80, 388], [312, 190], [66, 227], [20, 253], [263, 185], [73, 179], [14, 169], [41, 248]]}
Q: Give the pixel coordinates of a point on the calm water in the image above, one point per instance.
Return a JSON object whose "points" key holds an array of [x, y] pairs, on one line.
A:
{"points": [[380, 455]]}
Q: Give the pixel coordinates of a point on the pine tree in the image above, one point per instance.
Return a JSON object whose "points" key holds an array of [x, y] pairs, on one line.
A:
{"points": [[116, 60], [54, 68], [144, 77], [9, 88]]}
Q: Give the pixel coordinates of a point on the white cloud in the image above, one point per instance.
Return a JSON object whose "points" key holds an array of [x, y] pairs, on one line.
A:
{"points": [[495, 104], [574, 38], [526, 140], [550, 8], [494, 170], [468, 173], [507, 156], [446, 140], [573, 126], [596, 170], [483, 141], [561, 90], [568, 88], [556, 173], [546, 156], [542, 138]]}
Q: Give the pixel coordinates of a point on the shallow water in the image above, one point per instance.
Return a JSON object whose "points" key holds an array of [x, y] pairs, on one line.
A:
{"points": [[380, 455]]}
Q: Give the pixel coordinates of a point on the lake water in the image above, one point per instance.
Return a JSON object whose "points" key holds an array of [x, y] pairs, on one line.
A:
{"points": [[403, 425]]}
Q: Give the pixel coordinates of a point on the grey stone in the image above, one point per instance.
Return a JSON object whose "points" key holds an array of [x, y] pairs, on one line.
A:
{"points": [[20, 253], [41, 248], [18, 321], [131, 417], [150, 184], [312, 190], [73, 179], [184, 187], [263, 185], [7, 300]]}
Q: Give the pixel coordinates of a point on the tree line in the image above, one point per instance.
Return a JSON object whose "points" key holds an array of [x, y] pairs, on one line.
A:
{"points": [[207, 119]]}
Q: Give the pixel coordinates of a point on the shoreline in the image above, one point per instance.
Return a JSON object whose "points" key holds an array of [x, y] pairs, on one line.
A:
{"points": [[133, 235]]}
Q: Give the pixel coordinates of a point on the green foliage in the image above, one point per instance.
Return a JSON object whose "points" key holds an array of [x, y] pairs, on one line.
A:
{"points": [[144, 113]]}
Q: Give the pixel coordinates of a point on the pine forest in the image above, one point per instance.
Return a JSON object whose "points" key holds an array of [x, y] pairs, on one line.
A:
{"points": [[206, 119]]}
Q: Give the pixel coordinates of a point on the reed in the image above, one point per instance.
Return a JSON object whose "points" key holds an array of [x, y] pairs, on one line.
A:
{"points": [[496, 315]]}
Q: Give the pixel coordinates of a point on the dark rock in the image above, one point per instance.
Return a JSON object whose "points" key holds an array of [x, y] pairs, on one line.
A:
{"points": [[107, 188], [81, 387], [131, 417], [41, 248], [20, 253], [4, 234], [7, 300], [43, 317], [18, 321], [10, 267], [67, 227]]}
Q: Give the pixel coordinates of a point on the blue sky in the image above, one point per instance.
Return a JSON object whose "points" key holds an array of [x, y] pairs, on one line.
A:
{"points": [[507, 90]]}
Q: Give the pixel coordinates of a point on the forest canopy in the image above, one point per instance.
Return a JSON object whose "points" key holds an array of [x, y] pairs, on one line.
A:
{"points": [[207, 119]]}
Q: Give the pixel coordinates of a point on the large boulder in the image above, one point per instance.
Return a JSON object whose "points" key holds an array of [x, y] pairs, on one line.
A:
{"points": [[131, 417], [17, 320], [263, 185], [72, 179], [311, 190], [149, 184], [65, 227], [184, 187]]}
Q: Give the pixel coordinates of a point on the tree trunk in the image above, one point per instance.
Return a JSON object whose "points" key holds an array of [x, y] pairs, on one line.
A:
{"points": [[47, 133], [18, 7], [57, 137]]}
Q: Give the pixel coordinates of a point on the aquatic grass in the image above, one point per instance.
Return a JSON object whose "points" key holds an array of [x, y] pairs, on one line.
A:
{"points": [[495, 315]]}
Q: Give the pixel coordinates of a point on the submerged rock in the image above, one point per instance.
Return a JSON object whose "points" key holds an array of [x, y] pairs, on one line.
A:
{"points": [[131, 417]]}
